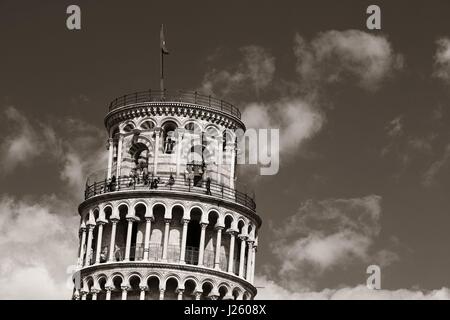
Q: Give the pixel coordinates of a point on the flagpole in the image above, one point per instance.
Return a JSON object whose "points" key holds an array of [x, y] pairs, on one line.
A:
{"points": [[163, 50], [161, 81]]}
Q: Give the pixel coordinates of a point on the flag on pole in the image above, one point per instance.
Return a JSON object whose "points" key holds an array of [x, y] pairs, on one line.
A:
{"points": [[163, 41]]}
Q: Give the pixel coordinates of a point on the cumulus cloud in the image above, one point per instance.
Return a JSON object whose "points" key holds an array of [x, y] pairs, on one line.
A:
{"points": [[429, 177], [297, 119], [328, 234], [21, 145], [256, 70], [270, 290], [77, 148], [333, 56], [442, 59], [37, 240], [38, 234]]}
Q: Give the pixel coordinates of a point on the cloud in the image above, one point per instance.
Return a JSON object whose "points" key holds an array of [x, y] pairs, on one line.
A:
{"points": [[270, 290], [395, 127], [328, 234], [38, 234], [333, 56], [429, 177], [77, 148], [297, 119], [37, 239], [22, 145], [442, 60], [256, 70]]}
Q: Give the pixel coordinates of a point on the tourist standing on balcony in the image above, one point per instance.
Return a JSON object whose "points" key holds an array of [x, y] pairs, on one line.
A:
{"points": [[171, 180]]}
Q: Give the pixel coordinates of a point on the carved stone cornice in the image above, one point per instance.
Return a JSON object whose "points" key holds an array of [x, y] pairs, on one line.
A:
{"points": [[86, 271], [132, 194], [183, 109]]}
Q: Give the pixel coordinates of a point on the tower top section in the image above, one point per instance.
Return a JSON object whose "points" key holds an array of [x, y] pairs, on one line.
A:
{"points": [[182, 103]]}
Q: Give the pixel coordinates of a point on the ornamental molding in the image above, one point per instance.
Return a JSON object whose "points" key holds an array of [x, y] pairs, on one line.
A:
{"points": [[122, 269], [180, 109], [158, 196]]}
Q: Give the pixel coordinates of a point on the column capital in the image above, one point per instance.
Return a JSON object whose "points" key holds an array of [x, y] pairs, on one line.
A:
{"points": [[101, 222], [90, 226], [84, 291], [232, 232], [109, 288], [203, 225], [94, 290], [124, 287], [243, 237], [220, 227], [183, 221], [130, 218], [143, 288], [167, 220], [151, 219]]}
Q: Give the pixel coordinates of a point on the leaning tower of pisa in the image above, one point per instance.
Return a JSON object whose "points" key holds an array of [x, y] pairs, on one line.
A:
{"points": [[166, 219]]}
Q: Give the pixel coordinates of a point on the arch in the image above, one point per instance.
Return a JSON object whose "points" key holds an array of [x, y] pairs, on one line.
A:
{"points": [[212, 131], [117, 280], [214, 214], [197, 209], [171, 286], [134, 281], [193, 127], [89, 287], [177, 212], [246, 296], [107, 211], [159, 203], [96, 214], [228, 221], [128, 127], [140, 210], [101, 285], [207, 288], [123, 208], [169, 128], [154, 284], [223, 291], [193, 235], [241, 226], [236, 293], [147, 124], [251, 231], [190, 287]]}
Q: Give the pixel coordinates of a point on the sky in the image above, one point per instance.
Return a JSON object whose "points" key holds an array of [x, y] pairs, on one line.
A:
{"points": [[363, 115]]}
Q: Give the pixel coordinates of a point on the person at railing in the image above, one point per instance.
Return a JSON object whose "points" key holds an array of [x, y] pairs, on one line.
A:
{"points": [[169, 143], [117, 253], [188, 175], [171, 180], [208, 186], [104, 255], [145, 178], [154, 183], [112, 184], [133, 177]]}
